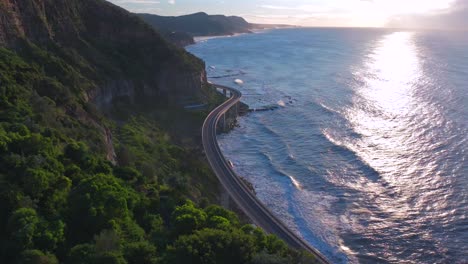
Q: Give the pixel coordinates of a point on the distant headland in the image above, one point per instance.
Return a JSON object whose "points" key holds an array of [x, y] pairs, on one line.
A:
{"points": [[181, 30]]}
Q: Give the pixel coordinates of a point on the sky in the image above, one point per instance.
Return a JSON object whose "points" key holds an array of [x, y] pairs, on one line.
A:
{"points": [[451, 14]]}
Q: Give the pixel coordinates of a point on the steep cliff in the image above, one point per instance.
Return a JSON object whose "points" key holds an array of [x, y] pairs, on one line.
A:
{"points": [[97, 52], [109, 46]]}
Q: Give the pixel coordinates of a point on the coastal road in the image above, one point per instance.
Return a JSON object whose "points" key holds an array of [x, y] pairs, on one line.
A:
{"points": [[237, 189]]}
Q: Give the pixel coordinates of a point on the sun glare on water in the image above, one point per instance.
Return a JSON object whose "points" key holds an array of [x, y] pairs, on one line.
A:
{"points": [[397, 66], [385, 104], [386, 96]]}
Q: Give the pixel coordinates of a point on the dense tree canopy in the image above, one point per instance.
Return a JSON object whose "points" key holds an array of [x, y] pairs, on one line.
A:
{"points": [[63, 201]]}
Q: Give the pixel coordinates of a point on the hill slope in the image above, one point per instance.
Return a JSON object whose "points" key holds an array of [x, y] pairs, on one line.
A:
{"points": [[182, 29], [199, 24], [96, 33], [90, 171]]}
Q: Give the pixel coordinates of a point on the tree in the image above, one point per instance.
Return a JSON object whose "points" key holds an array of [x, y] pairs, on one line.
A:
{"points": [[218, 222], [81, 254], [127, 173], [37, 257], [187, 218], [215, 210], [77, 152], [36, 181], [275, 245], [95, 202], [27, 230], [210, 246], [140, 253], [49, 234], [220, 218], [265, 258], [259, 236], [22, 227], [110, 257]]}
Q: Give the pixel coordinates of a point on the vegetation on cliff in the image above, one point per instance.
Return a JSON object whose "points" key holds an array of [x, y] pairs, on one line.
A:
{"points": [[181, 29], [114, 184], [199, 24]]}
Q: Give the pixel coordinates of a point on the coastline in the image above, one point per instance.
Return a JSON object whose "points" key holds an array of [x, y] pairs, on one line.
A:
{"points": [[266, 150], [321, 252], [199, 39], [238, 190]]}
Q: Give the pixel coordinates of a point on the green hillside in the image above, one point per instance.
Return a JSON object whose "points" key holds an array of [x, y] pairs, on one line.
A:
{"points": [[199, 24], [181, 29], [99, 163]]}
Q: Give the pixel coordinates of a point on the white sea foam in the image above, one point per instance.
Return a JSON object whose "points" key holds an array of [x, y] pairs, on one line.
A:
{"points": [[385, 150], [239, 82], [199, 39], [296, 183]]}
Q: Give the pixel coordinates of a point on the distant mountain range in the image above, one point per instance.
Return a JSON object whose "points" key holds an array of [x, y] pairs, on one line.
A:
{"points": [[181, 30]]}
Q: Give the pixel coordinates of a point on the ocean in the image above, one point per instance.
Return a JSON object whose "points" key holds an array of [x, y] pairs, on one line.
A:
{"points": [[365, 156]]}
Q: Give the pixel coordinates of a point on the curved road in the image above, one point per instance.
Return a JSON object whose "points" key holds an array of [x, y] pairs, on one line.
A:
{"points": [[237, 189]]}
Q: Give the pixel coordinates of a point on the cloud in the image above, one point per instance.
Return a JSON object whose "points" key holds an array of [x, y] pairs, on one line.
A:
{"points": [[453, 18], [172, 2]]}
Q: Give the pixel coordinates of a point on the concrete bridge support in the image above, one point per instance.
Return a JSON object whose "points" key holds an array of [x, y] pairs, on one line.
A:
{"points": [[223, 122]]}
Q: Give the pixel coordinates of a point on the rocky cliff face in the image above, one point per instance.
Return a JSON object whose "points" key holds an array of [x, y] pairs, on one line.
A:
{"points": [[126, 56], [33, 20], [99, 52], [175, 85]]}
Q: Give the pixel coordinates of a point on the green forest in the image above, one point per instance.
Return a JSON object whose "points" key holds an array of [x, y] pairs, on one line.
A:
{"points": [[63, 201], [123, 181]]}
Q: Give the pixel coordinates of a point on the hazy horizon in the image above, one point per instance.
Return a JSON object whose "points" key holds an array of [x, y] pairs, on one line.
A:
{"points": [[432, 14]]}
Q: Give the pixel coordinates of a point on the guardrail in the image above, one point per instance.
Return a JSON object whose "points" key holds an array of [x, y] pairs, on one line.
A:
{"points": [[237, 189]]}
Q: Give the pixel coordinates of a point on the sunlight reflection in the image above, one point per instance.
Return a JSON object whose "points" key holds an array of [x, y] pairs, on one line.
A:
{"points": [[396, 64], [393, 127], [385, 101], [382, 112]]}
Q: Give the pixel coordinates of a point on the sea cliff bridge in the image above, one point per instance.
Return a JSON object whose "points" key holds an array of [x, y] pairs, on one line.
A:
{"points": [[238, 189]]}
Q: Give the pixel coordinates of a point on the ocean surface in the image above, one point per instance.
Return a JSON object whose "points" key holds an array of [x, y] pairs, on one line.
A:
{"points": [[366, 155]]}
